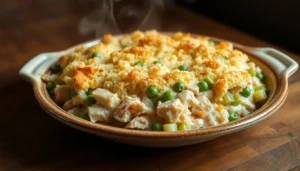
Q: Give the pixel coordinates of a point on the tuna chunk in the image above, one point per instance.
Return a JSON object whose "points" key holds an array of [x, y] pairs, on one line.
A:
{"points": [[171, 110], [248, 103], [51, 77], [139, 122], [149, 107], [197, 123], [128, 109], [193, 122], [217, 117], [187, 98], [78, 110], [193, 87], [61, 94], [106, 98], [204, 104], [256, 82], [185, 118], [239, 109], [78, 100], [209, 94], [99, 114]]}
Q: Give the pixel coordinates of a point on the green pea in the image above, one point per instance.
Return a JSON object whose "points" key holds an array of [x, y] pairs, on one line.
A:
{"points": [[152, 92], [209, 81], [260, 76], [260, 88], [183, 68], [246, 92], [225, 58], [168, 95], [179, 86], [158, 63], [237, 100], [56, 68], [203, 86], [157, 126], [95, 54], [139, 63], [50, 87], [251, 71], [233, 116], [228, 98], [72, 93], [90, 100], [84, 116], [211, 43], [184, 127]]}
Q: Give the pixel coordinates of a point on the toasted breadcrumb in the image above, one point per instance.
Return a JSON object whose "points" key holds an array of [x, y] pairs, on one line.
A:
{"points": [[121, 69]]}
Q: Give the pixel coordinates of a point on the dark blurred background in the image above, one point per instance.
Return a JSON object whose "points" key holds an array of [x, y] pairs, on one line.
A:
{"points": [[276, 21]]}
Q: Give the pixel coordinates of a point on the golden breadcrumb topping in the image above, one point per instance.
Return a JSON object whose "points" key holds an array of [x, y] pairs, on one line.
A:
{"points": [[129, 65]]}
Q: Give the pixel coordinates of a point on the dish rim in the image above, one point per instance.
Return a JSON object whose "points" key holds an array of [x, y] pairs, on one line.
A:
{"points": [[273, 104]]}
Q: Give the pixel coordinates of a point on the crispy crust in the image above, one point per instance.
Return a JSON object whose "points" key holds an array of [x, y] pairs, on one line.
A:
{"points": [[117, 68]]}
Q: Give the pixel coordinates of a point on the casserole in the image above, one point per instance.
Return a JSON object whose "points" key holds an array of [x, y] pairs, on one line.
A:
{"points": [[276, 66]]}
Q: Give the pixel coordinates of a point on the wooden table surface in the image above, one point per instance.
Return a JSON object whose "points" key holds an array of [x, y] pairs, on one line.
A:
{"points": [[32, 140]]}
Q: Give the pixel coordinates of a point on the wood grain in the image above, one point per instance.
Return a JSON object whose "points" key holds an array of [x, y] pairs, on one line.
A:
{"points": [[31, 140]]}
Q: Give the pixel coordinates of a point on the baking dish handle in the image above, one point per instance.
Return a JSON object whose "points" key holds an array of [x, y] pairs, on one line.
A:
{"points": [[281, 63], [37, 66]]}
